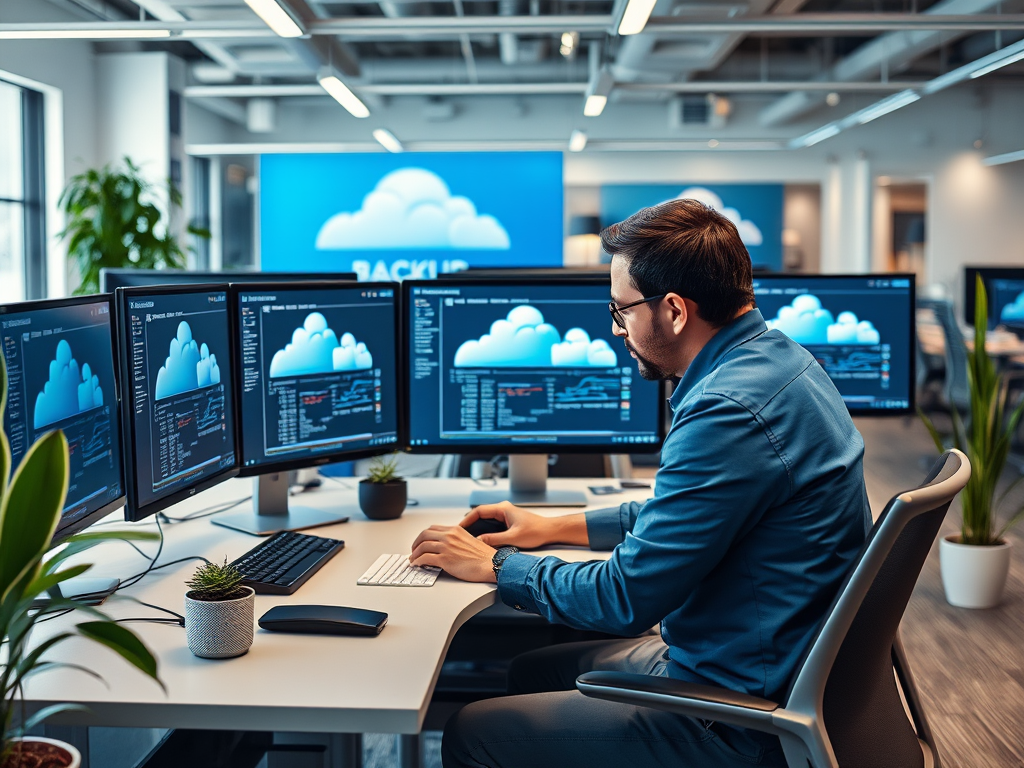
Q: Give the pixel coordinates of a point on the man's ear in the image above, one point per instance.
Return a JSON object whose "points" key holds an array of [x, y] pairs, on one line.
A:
{"points": [[678, 312]]}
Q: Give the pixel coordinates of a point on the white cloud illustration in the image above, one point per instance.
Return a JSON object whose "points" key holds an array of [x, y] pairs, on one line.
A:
{"points": [[67, 391], [750, 234], [413, 208], [314, 348], [1014, 311], [523, 339], [187, 367], [806, 322]]}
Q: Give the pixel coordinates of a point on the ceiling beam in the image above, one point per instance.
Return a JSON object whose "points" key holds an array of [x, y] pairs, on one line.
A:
{"points": [[839, 24]]}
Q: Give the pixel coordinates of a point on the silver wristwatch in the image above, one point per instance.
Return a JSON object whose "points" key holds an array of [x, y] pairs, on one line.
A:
{"points": [[501, 556]]}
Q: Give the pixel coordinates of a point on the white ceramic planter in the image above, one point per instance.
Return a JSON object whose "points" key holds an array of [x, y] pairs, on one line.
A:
{"points": [[220, 629], [972, 576], [76, 756]]}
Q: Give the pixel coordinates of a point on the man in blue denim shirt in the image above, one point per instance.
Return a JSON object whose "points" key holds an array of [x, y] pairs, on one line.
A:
{"points": [[759, 508]]}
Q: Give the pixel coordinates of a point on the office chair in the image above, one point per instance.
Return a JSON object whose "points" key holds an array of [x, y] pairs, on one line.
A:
{"points": [[955, 388], [843, 708]]}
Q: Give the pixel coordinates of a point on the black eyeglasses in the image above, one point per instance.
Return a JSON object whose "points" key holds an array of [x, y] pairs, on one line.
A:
{"points": [[616, 311]]}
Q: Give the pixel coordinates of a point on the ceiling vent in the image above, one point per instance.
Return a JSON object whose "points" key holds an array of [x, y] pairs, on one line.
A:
{"points": [[706, 111]]}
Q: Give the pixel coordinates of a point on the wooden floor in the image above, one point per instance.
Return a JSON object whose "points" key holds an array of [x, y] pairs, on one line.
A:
{"points": [[968, 664]]}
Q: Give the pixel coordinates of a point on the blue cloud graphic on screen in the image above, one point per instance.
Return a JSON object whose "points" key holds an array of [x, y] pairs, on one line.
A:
{"points": [[523, 339], [68, 391], [1014, 311], [188, 366], [805, 321], [750, 233], [315, 348], [413, 208]]}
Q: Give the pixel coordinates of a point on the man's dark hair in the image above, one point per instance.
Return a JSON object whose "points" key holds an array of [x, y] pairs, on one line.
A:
{"points": [[685, 247]]}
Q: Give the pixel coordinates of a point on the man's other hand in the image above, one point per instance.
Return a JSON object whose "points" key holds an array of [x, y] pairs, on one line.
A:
{"points": [[452, 548], [525, 529]]}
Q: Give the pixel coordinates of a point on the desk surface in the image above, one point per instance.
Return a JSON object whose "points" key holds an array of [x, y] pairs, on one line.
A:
{"points": [[286, 682]]}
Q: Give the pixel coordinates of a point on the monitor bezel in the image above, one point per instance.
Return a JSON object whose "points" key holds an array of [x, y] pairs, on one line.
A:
{"points": [[988, 272], [503, 448], [911, 409], [269, 468], [217, 278], [62, 532], [133, 511]]}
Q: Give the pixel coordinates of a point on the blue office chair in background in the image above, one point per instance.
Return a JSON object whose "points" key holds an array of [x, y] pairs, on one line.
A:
{"points": [[844, 707]]}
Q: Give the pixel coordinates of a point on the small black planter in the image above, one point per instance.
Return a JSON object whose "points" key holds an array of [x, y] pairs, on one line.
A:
{"points": [[382, 501]]}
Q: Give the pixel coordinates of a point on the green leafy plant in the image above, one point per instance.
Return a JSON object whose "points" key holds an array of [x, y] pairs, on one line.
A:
{"points": [[113, 221], [383, 469], [30, 507], [985, 438], [214, 582]]}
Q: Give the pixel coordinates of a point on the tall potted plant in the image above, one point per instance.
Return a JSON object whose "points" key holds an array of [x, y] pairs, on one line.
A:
{"points": [[975, 562], [30, 507], [113, 222]]}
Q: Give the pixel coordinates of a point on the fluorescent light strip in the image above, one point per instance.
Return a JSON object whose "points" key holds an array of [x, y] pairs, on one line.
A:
{"points": [[1002, 57], [635, 17], [812, 138], [884, 107], [1012, 59], [341, 94], [1009, 157], [275, 17], [387, 140], [594, 105], [85, 34], [577, 141]]}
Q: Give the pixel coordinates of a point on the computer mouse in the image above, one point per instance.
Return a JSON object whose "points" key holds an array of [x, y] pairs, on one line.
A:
{"points": [[486, 525], [323, 620]]}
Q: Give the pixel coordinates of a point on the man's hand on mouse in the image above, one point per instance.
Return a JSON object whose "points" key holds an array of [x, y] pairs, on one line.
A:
{"points": [[525, 529], [452, 548]]}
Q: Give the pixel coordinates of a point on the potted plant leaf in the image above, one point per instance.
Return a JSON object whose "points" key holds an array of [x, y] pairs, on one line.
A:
{"points": [[31, 502], [113, 221], [976, 562], [219, 612], [383, 494]]}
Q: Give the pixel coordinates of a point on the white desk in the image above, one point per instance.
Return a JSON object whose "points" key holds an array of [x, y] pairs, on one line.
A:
{"points": [[301, 683]]}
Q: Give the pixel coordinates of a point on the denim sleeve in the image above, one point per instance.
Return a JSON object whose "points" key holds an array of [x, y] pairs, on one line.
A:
{"points": [[606, 528], [719, 474]]}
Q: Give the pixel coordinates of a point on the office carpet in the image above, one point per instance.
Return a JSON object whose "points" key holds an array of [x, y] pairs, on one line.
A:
{"points": [[969, 665]]}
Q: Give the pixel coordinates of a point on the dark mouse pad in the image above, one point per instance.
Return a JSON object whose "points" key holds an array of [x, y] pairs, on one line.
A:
{"points": [[323, 620]]}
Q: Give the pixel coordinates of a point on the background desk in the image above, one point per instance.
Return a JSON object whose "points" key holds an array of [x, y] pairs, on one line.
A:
{"points": [[302, 683]]}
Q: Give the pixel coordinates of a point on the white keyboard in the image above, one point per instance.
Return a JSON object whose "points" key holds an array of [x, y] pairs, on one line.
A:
{"points": [[396, 571]]}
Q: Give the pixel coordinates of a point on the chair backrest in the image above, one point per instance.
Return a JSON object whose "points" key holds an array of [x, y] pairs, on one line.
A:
{"points": [[956, 387], [847, 676]]}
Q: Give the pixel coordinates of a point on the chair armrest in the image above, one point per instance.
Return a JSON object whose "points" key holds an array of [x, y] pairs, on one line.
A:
{"points": [[700, 701]]}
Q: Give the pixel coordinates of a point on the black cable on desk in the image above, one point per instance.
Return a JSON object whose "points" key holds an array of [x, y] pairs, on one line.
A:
{"points": [[205, 512]]}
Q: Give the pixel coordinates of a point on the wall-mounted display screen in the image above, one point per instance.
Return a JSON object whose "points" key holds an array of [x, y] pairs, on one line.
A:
{"points": [[410, 215], [755, 209]]}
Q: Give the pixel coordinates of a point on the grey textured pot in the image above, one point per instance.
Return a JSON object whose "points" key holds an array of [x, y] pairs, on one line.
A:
{"points": [[220, 629], [382, 501]]}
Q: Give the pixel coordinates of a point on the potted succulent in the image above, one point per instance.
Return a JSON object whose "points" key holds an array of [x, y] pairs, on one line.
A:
{"points": [[31, 501], [219, 612], [975, 562], [113, 221], [383, 494]]}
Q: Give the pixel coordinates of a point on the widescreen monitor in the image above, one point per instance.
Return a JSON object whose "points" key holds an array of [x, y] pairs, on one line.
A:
{"points": [[523, 367], [1006, 303], [176, 393], [318, 382], [112, 279], [860, 328], [60, 372]]}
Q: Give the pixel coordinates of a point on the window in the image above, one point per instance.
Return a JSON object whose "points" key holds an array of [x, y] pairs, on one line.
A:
{"points": [[22, 233]]}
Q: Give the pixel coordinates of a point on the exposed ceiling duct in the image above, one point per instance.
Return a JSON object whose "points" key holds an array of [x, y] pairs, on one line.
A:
{"points": [[886, 53]]}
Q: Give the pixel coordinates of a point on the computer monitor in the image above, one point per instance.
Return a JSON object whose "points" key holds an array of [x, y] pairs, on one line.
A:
{"points": [[112, 279], [860, 328], [176, 393], [60, 373], [525, 367], [1006, 304], [988, 274], [317, 382]]}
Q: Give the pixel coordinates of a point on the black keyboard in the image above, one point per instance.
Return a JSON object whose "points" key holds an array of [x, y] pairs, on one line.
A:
{"points": [[285, 561]]}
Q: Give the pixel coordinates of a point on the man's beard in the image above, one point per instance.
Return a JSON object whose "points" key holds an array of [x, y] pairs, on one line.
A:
{"points": [[648, 369]]}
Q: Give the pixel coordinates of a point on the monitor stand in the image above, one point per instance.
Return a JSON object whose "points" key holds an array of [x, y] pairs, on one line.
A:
{"points": [[528, 480], [271, 512]]}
